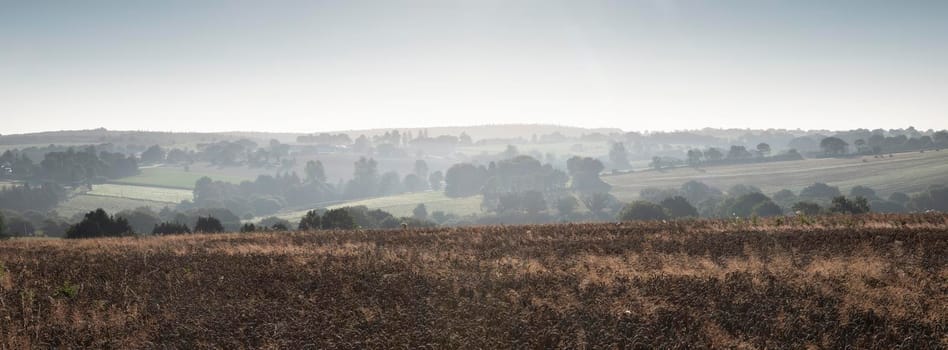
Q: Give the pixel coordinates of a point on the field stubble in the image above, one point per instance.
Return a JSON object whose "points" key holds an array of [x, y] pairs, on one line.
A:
{"points": [[868, 282]]}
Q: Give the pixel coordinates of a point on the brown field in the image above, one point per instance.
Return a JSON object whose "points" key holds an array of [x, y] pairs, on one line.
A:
{"points": [[877, 281]]}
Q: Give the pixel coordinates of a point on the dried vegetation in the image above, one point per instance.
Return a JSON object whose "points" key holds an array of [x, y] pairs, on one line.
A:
{"points": [[878, 281]]}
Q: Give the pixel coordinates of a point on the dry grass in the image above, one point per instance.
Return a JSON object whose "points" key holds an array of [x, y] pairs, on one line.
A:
{"points": [[867, 282]]}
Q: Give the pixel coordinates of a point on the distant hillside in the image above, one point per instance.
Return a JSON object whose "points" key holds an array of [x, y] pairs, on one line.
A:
{"points": [[479, 132], [98, 136]]}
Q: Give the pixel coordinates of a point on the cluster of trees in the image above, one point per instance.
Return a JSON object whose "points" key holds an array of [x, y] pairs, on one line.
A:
{"points": [[27, 197], [862, 141], [98, 223], [735, 155], [265, 195], [696, 199], [367, 182], [71, 166], [325, 139], [523, 186]]}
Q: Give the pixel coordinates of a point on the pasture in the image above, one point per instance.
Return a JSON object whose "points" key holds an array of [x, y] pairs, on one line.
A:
{"points": [[403, 204], [867, 282], [177, 177], [84, 203], [904, 172], [154, 194]]}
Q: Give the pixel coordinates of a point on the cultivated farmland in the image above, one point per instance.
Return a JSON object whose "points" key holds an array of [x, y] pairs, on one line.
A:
{"points": [[174, 177], [904, 172], [874, 281]]}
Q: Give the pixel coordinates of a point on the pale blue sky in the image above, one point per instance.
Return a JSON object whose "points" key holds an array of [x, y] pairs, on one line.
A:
{"points": [[330, 65]]}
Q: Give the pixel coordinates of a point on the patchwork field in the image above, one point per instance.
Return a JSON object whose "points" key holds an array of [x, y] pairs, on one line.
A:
{"points": [[174, 177], [85, 203], [403, 204], [154, 194], [904, 172], [867, 282]]}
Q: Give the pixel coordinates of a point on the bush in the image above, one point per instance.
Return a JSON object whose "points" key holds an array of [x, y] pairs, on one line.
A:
{"points": [[642, 210]]}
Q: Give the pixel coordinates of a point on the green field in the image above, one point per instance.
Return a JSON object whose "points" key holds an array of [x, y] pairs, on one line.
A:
{"points": [[84, 203], [174, 177], [904, 172], [154, 194]]}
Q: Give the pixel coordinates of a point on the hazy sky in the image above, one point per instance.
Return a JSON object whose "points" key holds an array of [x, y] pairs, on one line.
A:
{"points": [[329, 65]]}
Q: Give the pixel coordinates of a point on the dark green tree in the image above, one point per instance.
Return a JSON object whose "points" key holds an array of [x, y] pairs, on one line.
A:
{"points": [[170, 228], [807, 208], [833, 146], [310, 221], [98, 223], [420, 212], [464, 179], [862, 191], [3, 227], [154, 154], [678, 207], [618, 156], [584, 175], [763, 149], [767, 208], [566, 205], [338, 219], [713, 154], [844, 205], [208, 224], [315, 172], [435, 180], [642, 210]]}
